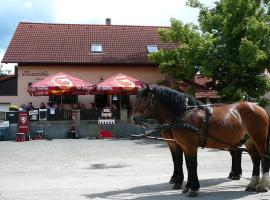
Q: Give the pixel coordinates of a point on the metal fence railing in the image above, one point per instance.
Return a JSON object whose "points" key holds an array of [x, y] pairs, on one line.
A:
{"points": [[56, 115], [62, 115]]}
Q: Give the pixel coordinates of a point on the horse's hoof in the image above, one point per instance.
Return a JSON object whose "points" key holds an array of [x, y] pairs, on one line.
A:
{"points": [[260, 189], [172, 180], [230, 175], [192, 193], [177, 186], [235, 177], [185, 190], [250, 189], [254, 181]]}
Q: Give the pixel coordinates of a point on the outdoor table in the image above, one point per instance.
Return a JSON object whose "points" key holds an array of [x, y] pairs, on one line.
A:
{"points": [[106, 121], [39, 135]]}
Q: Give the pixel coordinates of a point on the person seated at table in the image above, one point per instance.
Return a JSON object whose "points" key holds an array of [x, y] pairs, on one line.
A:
{"points": [[93, 107], [22, 107], [115, 111], [129, 110], [42, 105], [50, 108], [93, 111], [82, 106], [30, 106], [49, 105], [75, 106], [57, 106]]}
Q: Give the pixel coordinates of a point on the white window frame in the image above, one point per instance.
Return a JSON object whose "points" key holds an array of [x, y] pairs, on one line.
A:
{"points": [[151, 48], [96, 48]]}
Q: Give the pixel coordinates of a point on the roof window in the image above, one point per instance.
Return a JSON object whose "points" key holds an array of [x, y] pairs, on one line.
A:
{"points": [[96, 48], [152, 48]]}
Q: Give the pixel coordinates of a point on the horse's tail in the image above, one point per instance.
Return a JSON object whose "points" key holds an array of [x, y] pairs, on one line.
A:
{"points": [[268, 136]]}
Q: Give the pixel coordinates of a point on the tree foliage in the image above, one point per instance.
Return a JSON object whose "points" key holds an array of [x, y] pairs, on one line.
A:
{"points": [[231, 46], [1, 72]]}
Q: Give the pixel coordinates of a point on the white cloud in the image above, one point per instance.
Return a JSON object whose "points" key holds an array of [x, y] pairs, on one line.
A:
{"points": [[28, 5], [139, 12]]}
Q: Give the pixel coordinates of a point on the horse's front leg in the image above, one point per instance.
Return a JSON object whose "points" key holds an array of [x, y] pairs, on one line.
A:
{"points": [[178, 168], [189, 145], [177, 157], [178, 175], [236, 169], [192, 187]]}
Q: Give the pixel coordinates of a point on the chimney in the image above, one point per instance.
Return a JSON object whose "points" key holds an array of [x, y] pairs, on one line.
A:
{"points": [[108, 21]]}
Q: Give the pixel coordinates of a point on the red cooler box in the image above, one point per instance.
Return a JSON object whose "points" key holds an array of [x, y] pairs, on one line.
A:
{"points": [[24, 124]]}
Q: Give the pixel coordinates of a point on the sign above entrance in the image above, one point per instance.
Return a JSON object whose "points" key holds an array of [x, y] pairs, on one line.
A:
{"points": [[35, 75]]}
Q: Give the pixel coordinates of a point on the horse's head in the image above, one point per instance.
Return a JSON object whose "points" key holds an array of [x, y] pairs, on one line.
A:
{"points": [[145, 106], [161, 103]]}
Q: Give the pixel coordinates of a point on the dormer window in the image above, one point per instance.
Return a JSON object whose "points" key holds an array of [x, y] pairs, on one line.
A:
{"points": [[96, 48], [152, 48]]}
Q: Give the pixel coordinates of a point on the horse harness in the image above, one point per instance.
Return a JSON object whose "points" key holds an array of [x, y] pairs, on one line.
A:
{"points": [[179, 123], [203, 129]]}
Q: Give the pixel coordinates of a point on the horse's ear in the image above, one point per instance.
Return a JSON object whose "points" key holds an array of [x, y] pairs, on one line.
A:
{"points": [[147, 86], [148, 89]]}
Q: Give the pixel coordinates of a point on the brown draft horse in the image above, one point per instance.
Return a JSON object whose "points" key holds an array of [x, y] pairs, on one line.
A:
{"points": [[227, 127], [177, 153]]}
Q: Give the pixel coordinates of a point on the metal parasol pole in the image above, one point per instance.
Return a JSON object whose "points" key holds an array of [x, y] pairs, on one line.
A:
{"points": [[61, 100], [120, 97]]}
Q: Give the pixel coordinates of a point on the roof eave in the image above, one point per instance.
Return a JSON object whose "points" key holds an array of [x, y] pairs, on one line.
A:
{"points": [[88, 64]]}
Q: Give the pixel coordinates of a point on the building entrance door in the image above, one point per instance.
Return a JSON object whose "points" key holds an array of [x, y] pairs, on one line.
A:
{"points": [[101, 101]]}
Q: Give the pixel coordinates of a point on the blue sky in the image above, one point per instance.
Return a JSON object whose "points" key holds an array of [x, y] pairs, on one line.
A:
{"points": [[139, 12]]}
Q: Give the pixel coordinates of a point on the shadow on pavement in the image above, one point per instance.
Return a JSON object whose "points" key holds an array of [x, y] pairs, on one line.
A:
{"points": [[161, 144], [163, 191]]}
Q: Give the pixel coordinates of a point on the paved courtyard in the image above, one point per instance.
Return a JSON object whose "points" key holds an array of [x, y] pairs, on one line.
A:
{"points": [[109, 169]]}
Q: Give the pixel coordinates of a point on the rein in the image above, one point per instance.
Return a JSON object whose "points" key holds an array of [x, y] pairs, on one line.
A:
{"points": [[201, 131], [192, 128]]}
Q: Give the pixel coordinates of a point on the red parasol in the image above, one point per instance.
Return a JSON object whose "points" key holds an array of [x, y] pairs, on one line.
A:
{"points": [[60, 84], [119, 84]]}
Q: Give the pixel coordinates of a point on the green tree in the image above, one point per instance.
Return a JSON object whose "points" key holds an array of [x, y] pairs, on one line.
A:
{"points": [[183, 62], [231, 46], [1, 71]]}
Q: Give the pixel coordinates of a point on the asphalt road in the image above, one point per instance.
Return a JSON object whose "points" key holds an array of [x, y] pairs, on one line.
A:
{"points": [[110, 169]]}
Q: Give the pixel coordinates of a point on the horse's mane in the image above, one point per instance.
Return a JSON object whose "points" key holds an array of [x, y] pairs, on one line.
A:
{"points": [[175, 100]]}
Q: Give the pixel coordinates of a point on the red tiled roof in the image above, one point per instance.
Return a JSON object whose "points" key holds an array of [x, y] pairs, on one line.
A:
{"points": [[202, 91], [201, 80], [70, 43], [212, 94]]}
